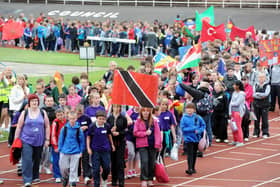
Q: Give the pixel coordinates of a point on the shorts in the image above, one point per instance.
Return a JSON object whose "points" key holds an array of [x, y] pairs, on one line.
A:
{"points": [[5, 105]]}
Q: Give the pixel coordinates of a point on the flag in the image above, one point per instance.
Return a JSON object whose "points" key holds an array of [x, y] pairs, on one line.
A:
{"points": [[183, 50], [211, 33], [12, 31], [191, 58], [163, 61], [207, 16], [134, 89], [241, 33], [186, 32], [58, 82]]}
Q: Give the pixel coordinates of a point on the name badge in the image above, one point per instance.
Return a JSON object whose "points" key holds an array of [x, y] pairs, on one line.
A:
{"points": [[166, 117], [93, 119], [84, 122], [104, 132]]}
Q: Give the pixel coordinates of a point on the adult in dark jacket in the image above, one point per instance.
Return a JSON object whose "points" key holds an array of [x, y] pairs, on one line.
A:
{"points": [[175, 43], [198, 94], [261, 106], [118, 124], [220, 113]]}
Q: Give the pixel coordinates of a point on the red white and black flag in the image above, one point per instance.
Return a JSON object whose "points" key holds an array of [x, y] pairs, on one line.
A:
{"points": [[134, 89]]}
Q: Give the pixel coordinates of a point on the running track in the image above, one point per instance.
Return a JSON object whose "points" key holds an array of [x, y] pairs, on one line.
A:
{"points": [[257, 163]]}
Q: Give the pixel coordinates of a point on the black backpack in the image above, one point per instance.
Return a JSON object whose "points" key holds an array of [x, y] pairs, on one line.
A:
{"points": [[204, 105]]}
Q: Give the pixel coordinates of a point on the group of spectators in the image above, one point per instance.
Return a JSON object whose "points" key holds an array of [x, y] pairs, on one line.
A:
{"points": [[54, 34], [73, 123]]}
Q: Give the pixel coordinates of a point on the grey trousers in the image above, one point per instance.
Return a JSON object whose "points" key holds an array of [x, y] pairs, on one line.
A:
{"points": [[68, 165]]}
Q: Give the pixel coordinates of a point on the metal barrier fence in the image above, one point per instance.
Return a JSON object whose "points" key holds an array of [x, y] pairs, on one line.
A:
{"points": [[169, 3]]}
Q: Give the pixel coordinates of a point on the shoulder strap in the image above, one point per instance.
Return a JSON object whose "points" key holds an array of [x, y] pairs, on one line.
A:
{"points": [[195, 120], [64, 133], [78, 135], [25, 114], [57, 126]]}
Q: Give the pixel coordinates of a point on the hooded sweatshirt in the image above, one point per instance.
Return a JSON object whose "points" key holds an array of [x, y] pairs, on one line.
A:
{"points": [[237, 103], [70, 144]]}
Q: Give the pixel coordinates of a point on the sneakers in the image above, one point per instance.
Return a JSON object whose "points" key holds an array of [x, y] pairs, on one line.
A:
{"points": [[144, 184], [129, 174], [265, 136], [48, 171], [65, 182], [239, 144], [226, 141], [232, 143], [255, 136], [246, 139], [103, 183], [73, 184], [58, 180], [1, 181], [150, 183], [27, 184], [36, 180], [218, 140], [133, 173], [87, 181]]}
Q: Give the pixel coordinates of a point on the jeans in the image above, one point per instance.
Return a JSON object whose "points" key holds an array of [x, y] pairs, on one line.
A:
{"points": [[100, 159], [30, 162], [55, 166], [147, 159], [86, 165], [207, 120], [191, 152], [46, 158]]}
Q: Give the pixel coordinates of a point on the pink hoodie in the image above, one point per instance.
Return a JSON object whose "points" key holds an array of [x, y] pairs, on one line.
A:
{"points": [[73, 101], [141, 136]]}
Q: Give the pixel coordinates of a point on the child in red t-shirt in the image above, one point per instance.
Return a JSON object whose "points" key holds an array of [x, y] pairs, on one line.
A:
{"points": [[57, 125]]}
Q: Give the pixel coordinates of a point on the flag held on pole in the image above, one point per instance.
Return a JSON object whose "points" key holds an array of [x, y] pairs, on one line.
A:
{"points": [[211, 33], [134, 89], [241, 33]]}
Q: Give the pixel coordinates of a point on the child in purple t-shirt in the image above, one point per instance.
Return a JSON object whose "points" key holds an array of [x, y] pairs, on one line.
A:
{"points": [[99, 143], [94, 100]]}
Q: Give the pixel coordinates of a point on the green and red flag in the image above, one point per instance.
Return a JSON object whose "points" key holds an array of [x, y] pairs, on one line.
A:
{"points": [[191, 58], [207, 15]]}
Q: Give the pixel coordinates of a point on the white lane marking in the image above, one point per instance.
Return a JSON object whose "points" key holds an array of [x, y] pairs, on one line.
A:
{"points": [[223, 150], [266, 182], [251, 154], [269, 162], [7, 171], [277, 144], [3, 156], [262, 149], [228, 169], [226, 158], [219, 145]]}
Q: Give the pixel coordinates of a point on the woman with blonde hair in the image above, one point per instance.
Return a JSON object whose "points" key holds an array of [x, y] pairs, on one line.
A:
{"points": [[148, 142]]}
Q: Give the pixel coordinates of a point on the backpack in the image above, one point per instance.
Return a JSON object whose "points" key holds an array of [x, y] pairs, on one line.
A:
{"points": [[77, 134], [204, 141], [26, 113], [204, 105]]}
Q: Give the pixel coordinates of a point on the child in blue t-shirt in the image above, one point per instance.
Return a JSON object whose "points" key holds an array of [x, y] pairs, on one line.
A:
{"points": [[99, 143]]}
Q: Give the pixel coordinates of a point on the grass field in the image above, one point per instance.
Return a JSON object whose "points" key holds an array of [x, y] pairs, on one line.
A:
{"points": [[93, 77], [67, 59]]}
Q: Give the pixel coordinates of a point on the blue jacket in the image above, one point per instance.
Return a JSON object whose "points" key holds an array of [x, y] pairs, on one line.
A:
{"points": [[70, 144], [192, 131]]}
